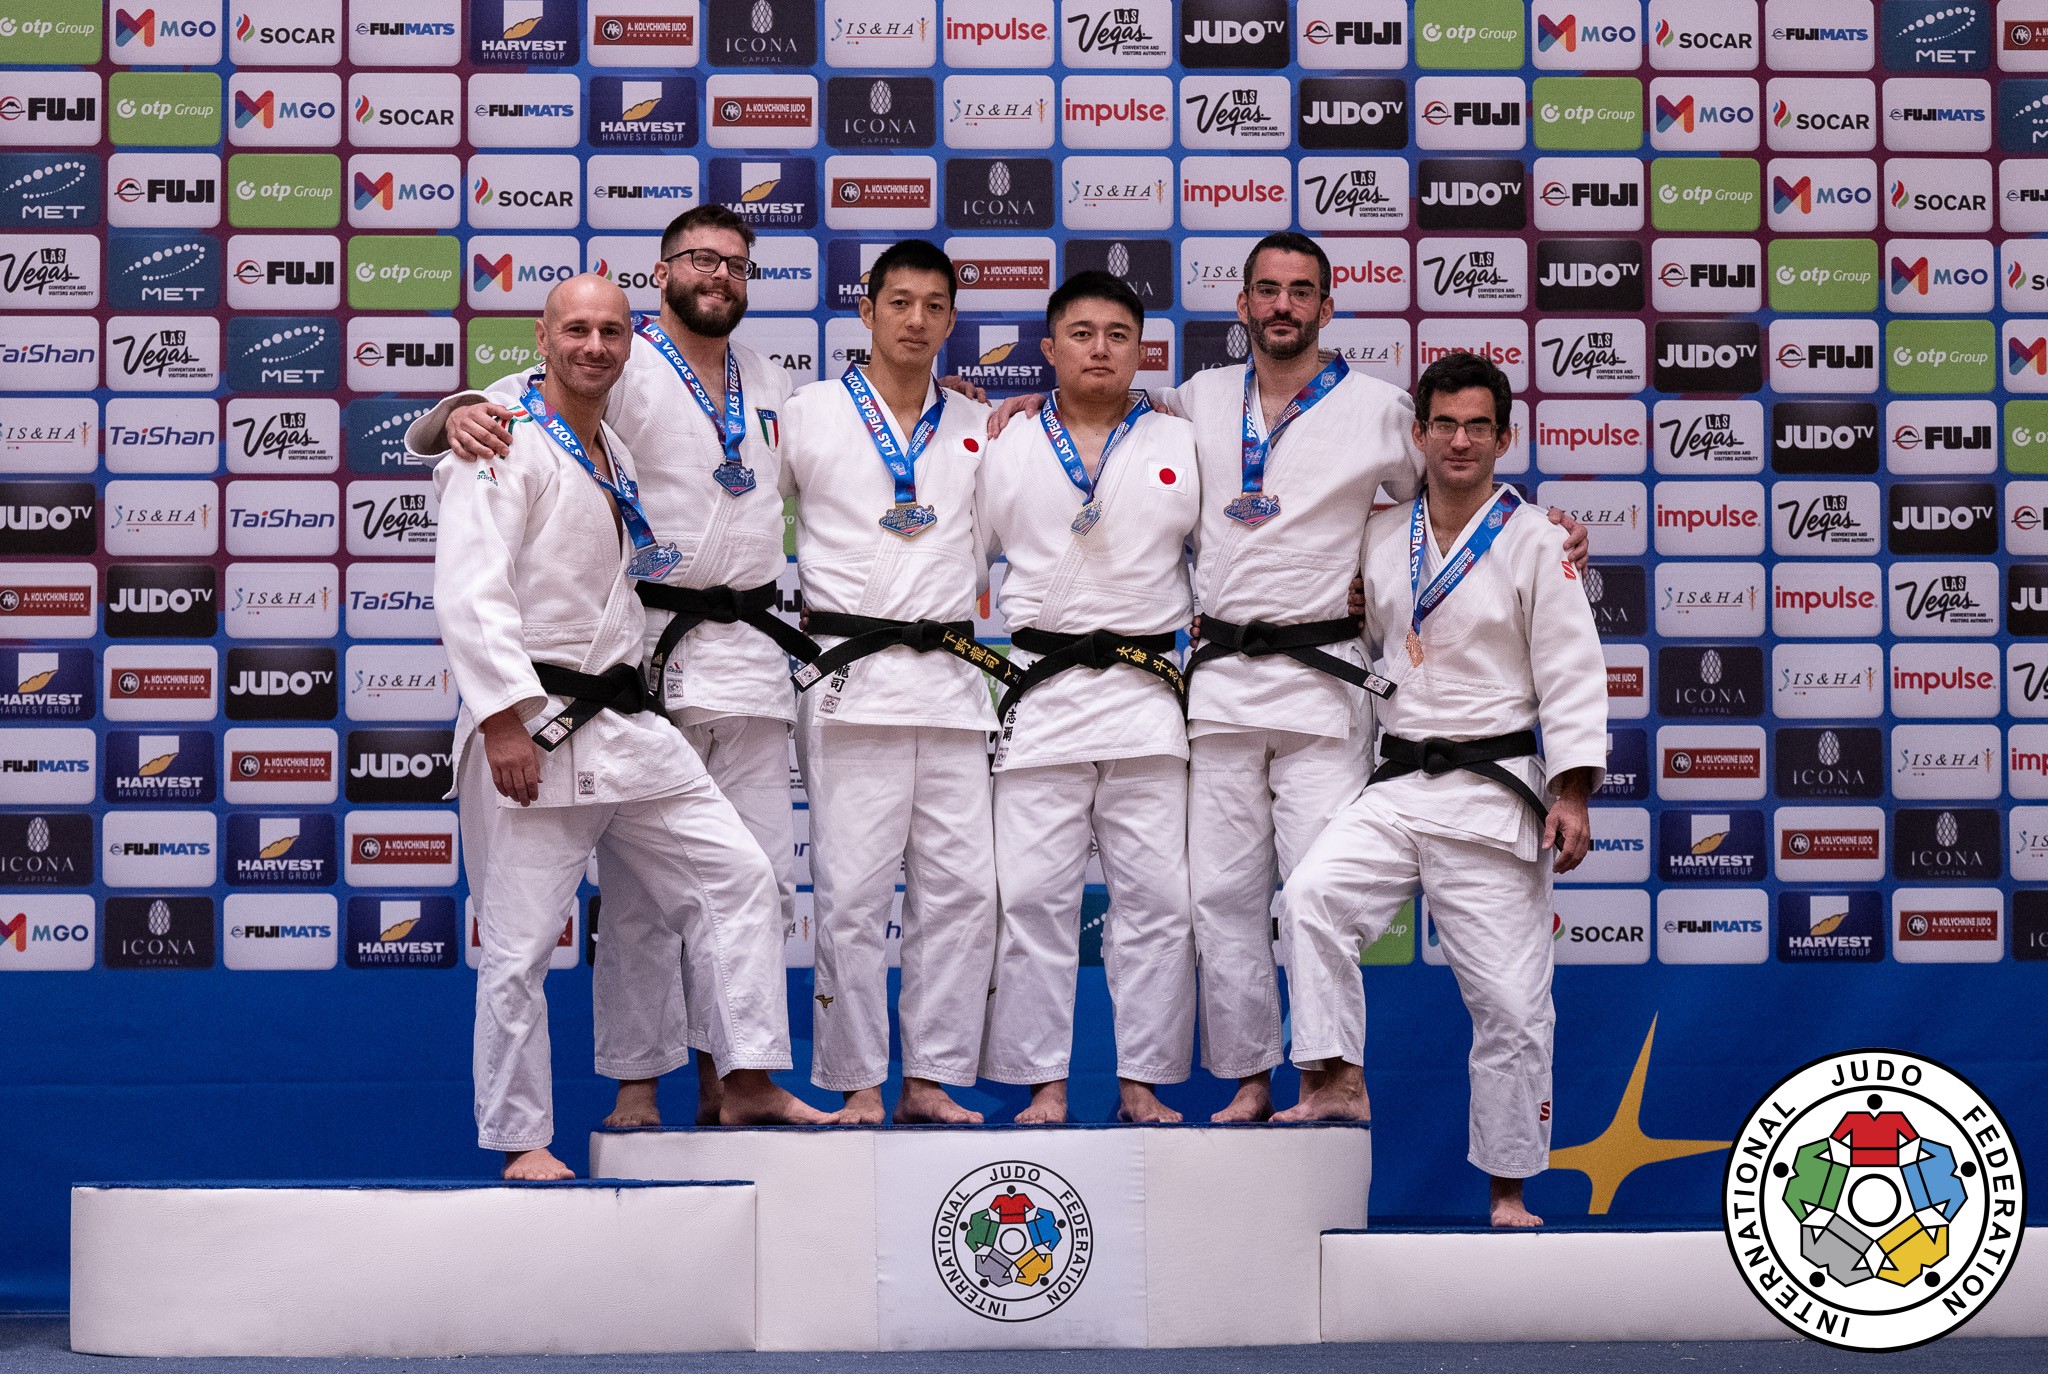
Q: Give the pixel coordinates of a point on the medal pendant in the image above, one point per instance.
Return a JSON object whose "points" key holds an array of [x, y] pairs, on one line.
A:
{"points": [[654, 562], [907, 520], [1253, 509], [1414, 647], [1085, 521], [736, 478]]}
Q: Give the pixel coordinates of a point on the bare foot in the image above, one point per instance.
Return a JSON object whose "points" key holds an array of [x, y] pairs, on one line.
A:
{"points": [[863, 1108], [710, 1092], [1141, 1104], [636, 1105], [535, 1166], [1336, 1094], [752, 1098], [1507, 1205], [925, 1103], [1254, 1100], [1048, 1105]]}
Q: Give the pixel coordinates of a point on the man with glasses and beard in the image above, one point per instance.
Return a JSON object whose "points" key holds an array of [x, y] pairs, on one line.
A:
{"points": [[702, 415]]}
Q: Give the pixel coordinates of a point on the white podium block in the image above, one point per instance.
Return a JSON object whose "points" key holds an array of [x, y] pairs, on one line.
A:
{"points": [[411, 1269], [1596, 1285], [978, 1237]]}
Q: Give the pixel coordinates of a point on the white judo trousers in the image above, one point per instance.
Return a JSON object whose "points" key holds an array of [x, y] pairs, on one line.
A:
{"points": [[524, 864], [1136, 809], [890, 799], [1491, 911], [1257, 800], [641, 1029]]}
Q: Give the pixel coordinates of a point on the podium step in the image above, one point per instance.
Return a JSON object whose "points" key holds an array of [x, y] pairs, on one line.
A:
{"points": [[1592, 1284], [912, 1238], [586, 1267]]}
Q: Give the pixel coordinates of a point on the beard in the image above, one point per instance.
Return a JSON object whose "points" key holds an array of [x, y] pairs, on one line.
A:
{"points": [[702, 313], [1305, 337]]}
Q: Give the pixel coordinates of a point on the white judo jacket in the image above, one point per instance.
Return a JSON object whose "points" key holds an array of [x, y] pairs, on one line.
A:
{"points": [[1127, 574], [1512, 648], [1297, 566], [725, 541], [848, 563], [531, 565]]}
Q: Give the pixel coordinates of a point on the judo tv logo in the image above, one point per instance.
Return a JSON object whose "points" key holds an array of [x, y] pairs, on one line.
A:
{"points": [[1012, 1241], [1872, 1200]]}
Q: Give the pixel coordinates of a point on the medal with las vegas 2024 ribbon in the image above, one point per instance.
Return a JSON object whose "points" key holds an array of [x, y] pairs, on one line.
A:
{"points": [[730, 424], [1252, 506], [1077, 472], [908, 517], [651, 559]]}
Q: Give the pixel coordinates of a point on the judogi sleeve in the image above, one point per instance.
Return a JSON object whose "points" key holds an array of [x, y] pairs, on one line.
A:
{"points": [[1565, 662], [484, 509], [427, 437], [1396, 435], [1167, 399]]}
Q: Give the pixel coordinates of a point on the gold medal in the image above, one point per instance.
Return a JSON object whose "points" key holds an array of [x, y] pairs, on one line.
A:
{"points": [[1415, 649]]}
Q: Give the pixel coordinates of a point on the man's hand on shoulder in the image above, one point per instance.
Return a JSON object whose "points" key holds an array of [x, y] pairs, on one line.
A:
{"points": [[965, 388], [1000, 416], [1576, 544], [479, 431]]}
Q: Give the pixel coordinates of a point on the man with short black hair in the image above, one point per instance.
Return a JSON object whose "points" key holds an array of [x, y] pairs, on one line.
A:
{"points": [[894, 715], [1092, 499], [702, 414], [1482, 629]]}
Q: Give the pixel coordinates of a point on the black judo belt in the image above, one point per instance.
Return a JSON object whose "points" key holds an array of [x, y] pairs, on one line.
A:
{"points": [[1101, 649], [1400, 757], [866, 634], [619, 689], [1302, 643], [693, 606]]}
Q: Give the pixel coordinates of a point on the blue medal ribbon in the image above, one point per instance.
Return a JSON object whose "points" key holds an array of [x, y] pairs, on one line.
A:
{"points": [[1453, 571], [731, 425], [1253, 506], [1070, 459], [907, 518], [650, 558]]}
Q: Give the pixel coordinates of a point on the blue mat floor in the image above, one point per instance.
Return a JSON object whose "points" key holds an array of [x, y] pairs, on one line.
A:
{"points": [[38, 1345]]}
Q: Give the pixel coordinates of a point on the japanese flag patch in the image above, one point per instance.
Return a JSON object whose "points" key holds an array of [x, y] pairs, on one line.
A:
{"points": [[1166, 476]]}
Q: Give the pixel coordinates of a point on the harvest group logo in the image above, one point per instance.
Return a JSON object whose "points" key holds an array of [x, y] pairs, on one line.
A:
{"points": [[1858, 1200], [1012, 1241]]}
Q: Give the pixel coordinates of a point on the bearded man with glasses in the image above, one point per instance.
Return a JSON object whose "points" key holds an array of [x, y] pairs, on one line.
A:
{"points": [[702, 414]]}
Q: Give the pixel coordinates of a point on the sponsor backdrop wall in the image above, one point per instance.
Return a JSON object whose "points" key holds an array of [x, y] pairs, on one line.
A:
{"points": [[1766, 276]]}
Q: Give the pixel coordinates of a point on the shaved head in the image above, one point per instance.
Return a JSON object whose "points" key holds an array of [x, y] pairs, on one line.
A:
{"points": [[587, 293]]}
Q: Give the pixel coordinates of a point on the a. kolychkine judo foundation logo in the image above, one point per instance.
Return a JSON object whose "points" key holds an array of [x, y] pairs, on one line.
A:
{"points": [[1012, 1241], [1874, 1200]]}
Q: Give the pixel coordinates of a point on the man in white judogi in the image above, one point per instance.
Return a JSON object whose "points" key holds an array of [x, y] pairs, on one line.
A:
{"points": [[702, 415], [532, 580], [1092, 499], [1482, 624], [892, 725]]}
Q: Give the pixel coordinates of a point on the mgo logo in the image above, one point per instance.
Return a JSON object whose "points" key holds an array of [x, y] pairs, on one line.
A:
{"points": [[285, 110], [1939, 276], [1693, 115], [1813, 195], [421, 191], [181, 35], [517, 271], [2026, 357], [1587, 35]]}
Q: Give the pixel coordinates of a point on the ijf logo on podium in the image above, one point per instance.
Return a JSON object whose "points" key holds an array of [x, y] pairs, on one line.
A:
{"points": [[1012, 1241]]}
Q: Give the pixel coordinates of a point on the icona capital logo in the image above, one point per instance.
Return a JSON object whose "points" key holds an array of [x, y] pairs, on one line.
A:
{"points": [[1857, 1201]]}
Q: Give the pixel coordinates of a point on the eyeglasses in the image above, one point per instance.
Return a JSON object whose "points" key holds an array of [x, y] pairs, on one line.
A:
{"points": [[1301, 292], [708, 260], [1478, 431]]}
